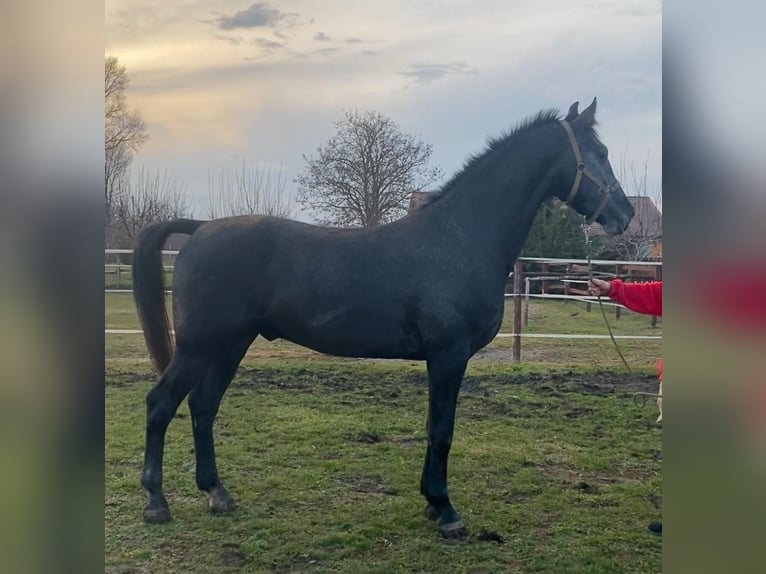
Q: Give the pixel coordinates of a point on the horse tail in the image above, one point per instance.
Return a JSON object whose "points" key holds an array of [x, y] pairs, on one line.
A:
{"points": [[149, 286]]}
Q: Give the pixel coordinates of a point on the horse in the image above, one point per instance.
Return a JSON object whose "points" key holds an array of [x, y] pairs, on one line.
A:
{"points": [[429, 287]]}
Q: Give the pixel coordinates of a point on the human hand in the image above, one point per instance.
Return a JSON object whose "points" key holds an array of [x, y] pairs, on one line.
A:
{"points": [[599, 287]]}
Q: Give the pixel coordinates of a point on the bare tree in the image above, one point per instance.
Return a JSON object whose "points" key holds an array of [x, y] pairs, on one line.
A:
{"points": [[125, 133], [365, 174], [147, 198], [645, 230], [248, 191]]}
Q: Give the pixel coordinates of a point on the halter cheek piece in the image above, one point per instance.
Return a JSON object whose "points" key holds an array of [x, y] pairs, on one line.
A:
{"points": [[582, 170]]}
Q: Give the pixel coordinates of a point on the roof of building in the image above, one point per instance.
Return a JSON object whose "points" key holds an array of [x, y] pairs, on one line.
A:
{"points": [[647, 222], [418, 198]]}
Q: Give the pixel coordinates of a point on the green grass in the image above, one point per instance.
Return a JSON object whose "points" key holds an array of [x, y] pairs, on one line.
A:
{"points": [[323, 456], [324, 460]]}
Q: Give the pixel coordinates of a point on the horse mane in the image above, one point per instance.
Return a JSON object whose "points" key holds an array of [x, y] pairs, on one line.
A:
{"points": [[493, 144]]}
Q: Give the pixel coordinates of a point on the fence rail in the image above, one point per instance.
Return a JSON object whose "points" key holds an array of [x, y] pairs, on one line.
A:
{"points": [[575, 274], [499, 335]]}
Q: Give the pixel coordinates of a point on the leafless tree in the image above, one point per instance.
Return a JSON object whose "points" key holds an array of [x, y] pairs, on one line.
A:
{"points": [[248, 191], [147, 198], [646, 229], [125, 133], [365, 174]]}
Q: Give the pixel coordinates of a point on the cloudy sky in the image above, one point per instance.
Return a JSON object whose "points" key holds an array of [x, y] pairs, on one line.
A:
{"points": [[223, 82]]}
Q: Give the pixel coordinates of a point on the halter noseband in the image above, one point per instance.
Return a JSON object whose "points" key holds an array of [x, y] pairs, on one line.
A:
{"points": [[582, 170]]}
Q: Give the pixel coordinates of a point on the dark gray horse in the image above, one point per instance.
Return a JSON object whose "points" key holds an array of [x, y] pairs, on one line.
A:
{"points": [[428, 287]]}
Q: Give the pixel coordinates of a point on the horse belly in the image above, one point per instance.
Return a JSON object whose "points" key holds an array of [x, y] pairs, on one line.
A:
{"points": [[349, 332]]}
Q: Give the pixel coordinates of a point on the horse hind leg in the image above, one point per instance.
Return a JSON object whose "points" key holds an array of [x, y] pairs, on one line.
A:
{"points": [[161, 404], [204, 401]]}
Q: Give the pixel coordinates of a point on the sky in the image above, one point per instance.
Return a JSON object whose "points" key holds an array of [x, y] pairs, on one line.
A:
{"points": [[262, 82]]}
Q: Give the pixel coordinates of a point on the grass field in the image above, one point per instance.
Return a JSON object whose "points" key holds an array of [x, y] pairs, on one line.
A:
{"points": [[553, 467]]}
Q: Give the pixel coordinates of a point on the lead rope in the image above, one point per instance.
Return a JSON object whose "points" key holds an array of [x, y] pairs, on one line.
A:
{"points": [[638, 398], [600, 304]]}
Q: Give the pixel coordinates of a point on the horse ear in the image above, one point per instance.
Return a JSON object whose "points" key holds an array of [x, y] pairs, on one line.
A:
{"points": [[572, 113], [588, 115]]}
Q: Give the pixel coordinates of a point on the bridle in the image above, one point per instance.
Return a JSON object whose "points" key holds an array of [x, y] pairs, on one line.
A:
{"points": [[582, 169]]}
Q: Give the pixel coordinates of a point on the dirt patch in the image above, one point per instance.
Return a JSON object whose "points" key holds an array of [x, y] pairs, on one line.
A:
{"points": [[578, 412], [302, 563], [655, 501], [586, 481], [586, 487], [472, 384], [597, 383], [340, 376], [368, 484], [490, 536], [515, 498], [402, 385], [558, 383], [549, 390], [232, 556], [367, 438], [331, 455], [122, 379], [601, 502], [406, 441]]}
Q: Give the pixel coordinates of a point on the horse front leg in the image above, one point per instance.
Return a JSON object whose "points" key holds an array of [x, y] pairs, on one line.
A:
{"points": [[445, 374]]}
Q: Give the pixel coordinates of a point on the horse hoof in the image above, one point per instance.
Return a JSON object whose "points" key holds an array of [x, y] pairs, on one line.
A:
{"points": [[431, 512], [453, 531], [220, 501], [156, 515], [221, 506]]}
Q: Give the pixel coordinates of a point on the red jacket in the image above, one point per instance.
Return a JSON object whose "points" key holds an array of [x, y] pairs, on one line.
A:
{"points": [[643, 298]]}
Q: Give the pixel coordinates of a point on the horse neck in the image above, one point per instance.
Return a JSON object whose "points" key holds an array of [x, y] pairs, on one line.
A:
{"points": [[498, 205]]}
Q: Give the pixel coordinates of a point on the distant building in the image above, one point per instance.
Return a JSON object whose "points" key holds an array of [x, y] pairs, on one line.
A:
{"points": [[418, 199], [644, 233]]}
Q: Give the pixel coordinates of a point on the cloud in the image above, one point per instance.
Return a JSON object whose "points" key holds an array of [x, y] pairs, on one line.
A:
{"points": [[234, 41], [328, 51], [267, 44], [258, 15], [207, 87], [424, 73]]}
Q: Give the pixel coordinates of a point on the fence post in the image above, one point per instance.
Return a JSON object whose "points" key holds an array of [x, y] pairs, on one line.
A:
{"points": [[517, 286], [526, 301]]}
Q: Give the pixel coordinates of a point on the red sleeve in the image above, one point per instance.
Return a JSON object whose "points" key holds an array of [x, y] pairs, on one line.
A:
{"points": [[643, 298]]}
